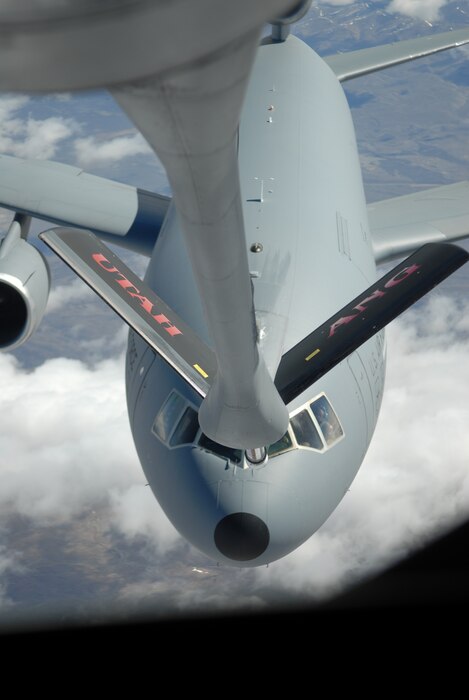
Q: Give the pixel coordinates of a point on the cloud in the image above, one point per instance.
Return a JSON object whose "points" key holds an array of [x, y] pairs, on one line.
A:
{"points": [[92, 150], [41, 137], [65, 444], [135, 515], [424, 9], [9, 105], [64, 439], [29, 137], [64, 294]]}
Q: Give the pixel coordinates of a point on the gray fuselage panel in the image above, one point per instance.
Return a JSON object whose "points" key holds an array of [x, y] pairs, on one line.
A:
{"points": [[304, 204]]}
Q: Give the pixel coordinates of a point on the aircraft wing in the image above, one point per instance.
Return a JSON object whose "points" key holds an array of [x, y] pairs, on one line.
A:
{"points": [[363, 317], [65, 195], [356, 63], [137, 304], [402, 224]]}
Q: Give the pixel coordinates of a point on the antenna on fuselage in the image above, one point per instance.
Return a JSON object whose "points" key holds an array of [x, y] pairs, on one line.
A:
{"points": [[281, 25]]}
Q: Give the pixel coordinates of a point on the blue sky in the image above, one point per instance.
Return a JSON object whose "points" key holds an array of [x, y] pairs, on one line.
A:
{"points": [[77, 522]]}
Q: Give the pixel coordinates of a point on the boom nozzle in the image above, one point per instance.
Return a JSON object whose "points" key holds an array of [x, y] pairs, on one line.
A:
{"points": [[281, 25]]}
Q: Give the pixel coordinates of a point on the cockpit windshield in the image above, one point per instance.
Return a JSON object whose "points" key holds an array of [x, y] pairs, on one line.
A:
{"points": [[186, 429], [305, 431], [221, 450], [167, 416], [327, 420], [177, 425], [283, 445], [314, 426]]}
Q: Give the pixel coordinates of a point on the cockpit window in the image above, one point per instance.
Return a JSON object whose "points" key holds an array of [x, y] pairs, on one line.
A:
{"points": [[315, 426], [168, 415], [186, 429], [327, 420], [306, 433], [177, 424], [283, 445], [221, 450]]}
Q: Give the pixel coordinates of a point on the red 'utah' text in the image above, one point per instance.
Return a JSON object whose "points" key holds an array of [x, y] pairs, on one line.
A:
{"points": [[132, 290]]}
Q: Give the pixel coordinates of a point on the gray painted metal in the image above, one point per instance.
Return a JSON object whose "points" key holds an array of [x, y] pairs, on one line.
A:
{"points": [[24, 270], [63, 194], [402, 224], [75, 44], [357, 63], [135, 303], [191, 121], [291, 190]]}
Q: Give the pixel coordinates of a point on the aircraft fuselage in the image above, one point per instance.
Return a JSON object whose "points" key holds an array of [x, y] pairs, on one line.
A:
{"points": [[309, 253]]}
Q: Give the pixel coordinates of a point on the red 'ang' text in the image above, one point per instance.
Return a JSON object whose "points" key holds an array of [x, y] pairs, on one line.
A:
{"points": [[377, 294]]}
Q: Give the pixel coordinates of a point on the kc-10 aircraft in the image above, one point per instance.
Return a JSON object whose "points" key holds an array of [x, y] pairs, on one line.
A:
{"points": [[256, 353]]}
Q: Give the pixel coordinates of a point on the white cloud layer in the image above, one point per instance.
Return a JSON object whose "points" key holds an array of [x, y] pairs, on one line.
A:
{"points": [[29, 137], [65, 445], [62, 295], [424, 9], [64, 440], [135, 514], [91, 150]]}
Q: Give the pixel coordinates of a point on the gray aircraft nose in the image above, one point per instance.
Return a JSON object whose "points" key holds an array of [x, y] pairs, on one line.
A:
{"points": [[241, 536]]}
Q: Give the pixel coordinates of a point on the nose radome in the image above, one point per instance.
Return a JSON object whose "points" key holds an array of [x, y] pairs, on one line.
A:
{"points": [[241, 536]]}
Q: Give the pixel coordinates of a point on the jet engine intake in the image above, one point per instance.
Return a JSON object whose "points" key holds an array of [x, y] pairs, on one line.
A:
{"points": [[24, 289]]}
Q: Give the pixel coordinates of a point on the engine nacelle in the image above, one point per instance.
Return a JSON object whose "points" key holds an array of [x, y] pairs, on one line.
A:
{"points": [[24, 290]]}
